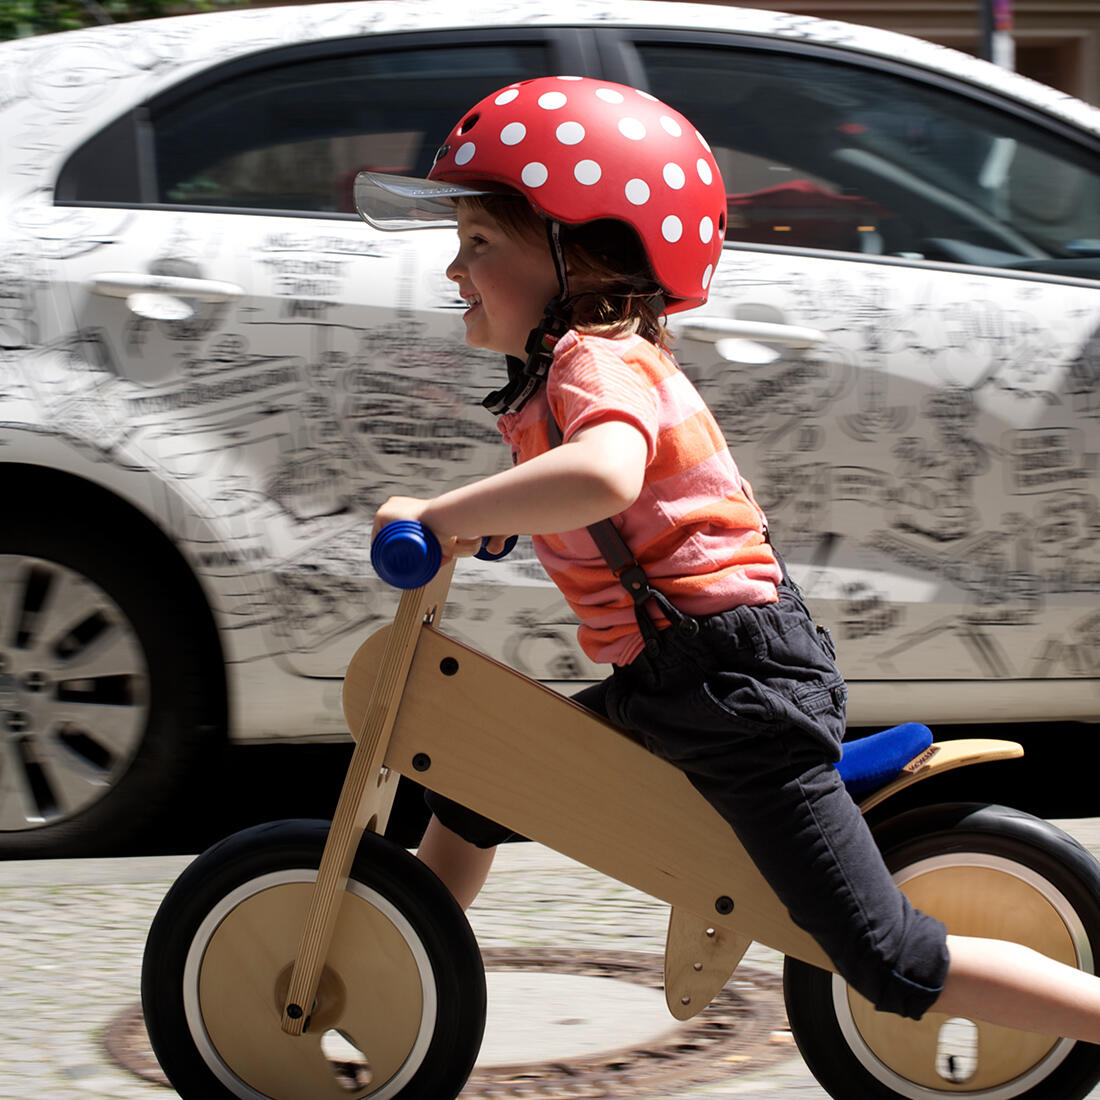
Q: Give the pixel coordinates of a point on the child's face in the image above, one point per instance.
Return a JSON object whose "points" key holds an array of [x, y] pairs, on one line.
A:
{"points": [[506, 281]]}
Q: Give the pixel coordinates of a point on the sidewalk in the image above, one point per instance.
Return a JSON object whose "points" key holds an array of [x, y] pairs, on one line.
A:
{"points": [[72, 935]]}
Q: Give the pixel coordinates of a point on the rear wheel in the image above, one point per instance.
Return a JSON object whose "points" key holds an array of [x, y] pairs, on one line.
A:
{"points": [[984, 871], [401, 1006]]}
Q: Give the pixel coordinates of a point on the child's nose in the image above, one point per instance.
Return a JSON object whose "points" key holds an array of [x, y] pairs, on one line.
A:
{"points": [[456, 269]]}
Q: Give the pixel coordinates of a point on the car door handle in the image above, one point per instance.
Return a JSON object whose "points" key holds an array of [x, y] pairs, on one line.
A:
{"points": [[124, 284], [713, 329]]}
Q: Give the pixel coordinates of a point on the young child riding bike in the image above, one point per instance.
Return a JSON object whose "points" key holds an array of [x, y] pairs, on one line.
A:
{"points": [[587, 211]]}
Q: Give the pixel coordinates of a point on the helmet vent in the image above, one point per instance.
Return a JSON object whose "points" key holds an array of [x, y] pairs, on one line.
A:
{"points": [[468, 123]]}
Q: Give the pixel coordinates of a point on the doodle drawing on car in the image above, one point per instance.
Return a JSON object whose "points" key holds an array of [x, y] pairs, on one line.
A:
{"points": [[211, 371]]}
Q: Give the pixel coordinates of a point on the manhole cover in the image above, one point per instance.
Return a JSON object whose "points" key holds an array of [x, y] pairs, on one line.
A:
{"points": [[745, 1028]]}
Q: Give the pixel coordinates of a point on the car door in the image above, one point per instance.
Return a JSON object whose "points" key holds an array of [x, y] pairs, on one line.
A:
{"points": [[291, 366], [901, 343]]}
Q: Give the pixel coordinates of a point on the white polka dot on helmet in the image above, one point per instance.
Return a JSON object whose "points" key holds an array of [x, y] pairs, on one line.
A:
{"points": [[581, 149]]}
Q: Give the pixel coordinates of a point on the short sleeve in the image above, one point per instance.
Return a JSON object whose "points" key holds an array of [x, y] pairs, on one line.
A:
{"points": [[591, 382]]}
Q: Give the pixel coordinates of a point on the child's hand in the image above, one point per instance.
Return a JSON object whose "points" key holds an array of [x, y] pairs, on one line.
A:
{"points": [[413, 508], [495, 544]]}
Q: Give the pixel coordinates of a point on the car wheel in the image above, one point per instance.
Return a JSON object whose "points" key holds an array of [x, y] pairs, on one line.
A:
{"points": [[103, 704]]}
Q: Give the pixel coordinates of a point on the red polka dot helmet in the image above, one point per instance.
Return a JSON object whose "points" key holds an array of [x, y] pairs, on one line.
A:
{"points": [[578, 150]]}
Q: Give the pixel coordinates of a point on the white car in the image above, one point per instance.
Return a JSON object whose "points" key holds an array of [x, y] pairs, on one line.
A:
{"points": [[212, 371]]}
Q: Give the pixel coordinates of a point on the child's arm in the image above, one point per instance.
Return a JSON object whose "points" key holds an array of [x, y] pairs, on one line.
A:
{"points": [[597, 474]]}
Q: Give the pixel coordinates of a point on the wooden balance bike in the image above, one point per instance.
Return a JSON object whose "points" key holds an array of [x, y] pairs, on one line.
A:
{"points": [[285, 936]]}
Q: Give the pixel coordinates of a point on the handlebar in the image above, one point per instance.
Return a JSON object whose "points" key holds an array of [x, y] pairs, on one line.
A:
{"points": [[406, 554]]}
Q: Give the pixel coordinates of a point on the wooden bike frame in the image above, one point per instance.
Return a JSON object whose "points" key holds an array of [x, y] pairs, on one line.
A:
{"points": [[423, 705]]}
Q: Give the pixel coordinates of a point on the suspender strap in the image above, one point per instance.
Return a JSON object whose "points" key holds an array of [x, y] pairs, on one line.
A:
{"points": [[629, 573]]}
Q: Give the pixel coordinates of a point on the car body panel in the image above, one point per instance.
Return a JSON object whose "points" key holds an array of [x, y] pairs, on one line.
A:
{"points": [[924, 464], [928, 466]]}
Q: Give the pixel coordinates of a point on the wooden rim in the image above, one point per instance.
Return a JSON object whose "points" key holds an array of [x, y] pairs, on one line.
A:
{"points": [[980, 896], [376, 990]]}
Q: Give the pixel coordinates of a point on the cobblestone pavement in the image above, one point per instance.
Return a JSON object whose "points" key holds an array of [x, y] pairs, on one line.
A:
{"points": [[72, 935]]}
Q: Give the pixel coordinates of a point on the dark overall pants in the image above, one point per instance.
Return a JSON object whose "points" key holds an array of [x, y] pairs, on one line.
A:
{"points": [[750, 706]]}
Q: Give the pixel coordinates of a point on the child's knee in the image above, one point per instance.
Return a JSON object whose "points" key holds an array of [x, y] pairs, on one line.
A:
{"points": [[470, 826]]}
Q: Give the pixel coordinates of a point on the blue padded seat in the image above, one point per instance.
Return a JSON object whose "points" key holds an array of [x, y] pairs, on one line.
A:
{"points": [[871, 762]]}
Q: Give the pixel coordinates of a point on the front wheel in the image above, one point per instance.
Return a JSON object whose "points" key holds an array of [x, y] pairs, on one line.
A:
{"points": [[400, 1009], [984, 871]]}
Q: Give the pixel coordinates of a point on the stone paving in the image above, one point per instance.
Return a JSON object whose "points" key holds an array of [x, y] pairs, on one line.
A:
{"points": [[72, 935]]}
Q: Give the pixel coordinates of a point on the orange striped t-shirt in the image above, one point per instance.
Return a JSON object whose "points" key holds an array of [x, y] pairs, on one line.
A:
{"points": [[695, 528]]}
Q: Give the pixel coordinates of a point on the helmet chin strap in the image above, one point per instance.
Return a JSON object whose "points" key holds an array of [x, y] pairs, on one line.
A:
{"points": [[525, 376]]}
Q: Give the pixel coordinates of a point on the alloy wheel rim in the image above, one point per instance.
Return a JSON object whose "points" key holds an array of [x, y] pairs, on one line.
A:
{"points": [[74, 692]]}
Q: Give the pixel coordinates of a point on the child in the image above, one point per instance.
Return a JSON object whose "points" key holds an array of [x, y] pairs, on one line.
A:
{"points": [[586, 211]]}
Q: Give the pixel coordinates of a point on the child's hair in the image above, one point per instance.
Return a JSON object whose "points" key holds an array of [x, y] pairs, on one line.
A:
{"points": [[605, 256]]}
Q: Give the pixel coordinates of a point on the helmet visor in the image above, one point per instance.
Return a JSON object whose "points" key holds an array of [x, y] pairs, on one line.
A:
{"points": [[405, 202]]}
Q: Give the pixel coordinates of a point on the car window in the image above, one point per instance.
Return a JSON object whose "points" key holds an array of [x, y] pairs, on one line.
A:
{"points": [[289, 134], [293, 137], [820, 154]]}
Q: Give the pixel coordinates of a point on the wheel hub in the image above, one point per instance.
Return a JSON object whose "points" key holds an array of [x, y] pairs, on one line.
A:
{"points": [[9, 688], [22, 695]]}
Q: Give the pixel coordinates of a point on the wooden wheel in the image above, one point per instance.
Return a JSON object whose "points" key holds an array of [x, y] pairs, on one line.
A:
{"points": [[238, 970], [978, 895], [400, 1006], [996, 874]]}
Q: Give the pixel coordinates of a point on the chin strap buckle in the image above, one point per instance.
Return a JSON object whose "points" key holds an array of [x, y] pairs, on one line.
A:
{"points": [[525, 377]]}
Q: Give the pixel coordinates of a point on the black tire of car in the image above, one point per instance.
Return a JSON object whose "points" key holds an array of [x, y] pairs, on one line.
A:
{"points": [[236, 870], [1057, 869], [183, 726]]}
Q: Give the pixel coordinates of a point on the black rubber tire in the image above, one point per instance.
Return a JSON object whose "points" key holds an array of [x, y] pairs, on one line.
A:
{"points": [[437, 925], [1056, 867], [182, 694]]}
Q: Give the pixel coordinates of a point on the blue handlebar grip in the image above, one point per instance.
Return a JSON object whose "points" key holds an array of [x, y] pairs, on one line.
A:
{"points": [[509, 545], [406, 554]]}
